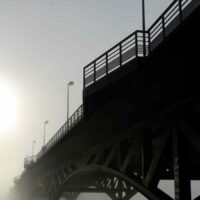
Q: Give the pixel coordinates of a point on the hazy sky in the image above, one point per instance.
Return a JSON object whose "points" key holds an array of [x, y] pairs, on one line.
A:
{"points": [[43, 45]]}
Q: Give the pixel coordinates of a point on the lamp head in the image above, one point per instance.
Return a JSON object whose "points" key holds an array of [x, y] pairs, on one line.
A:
{"points": [[71, 83], [46, 122]]}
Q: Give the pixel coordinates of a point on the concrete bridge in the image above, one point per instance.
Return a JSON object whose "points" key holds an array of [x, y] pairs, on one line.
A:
{"points": [[139, 122]]}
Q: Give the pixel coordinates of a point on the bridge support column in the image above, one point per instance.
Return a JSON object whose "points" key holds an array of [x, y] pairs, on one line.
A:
{"points": [[182, 169]]}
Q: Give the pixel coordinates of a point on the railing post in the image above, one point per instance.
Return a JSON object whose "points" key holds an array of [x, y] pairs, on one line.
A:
{"points": [[136, 45], [120, 54], [94, 71], [83, 77], [144, 44], [106, 63], [163, 26], [180, 10], [149, 41]]}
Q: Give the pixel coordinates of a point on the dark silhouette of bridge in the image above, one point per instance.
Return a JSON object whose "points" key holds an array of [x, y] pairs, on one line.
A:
{"points": [[139, 122]]}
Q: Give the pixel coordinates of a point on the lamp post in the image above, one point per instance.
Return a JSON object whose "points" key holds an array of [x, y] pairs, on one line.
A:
{"points": [[143, 27], [69, 84], [143, 16], [33, 147], [45, 122]]}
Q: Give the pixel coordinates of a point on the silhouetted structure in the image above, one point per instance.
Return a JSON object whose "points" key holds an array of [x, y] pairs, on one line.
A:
{"points": [[139, 122]]}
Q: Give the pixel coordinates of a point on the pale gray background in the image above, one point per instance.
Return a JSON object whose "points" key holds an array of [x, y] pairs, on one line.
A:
{"points": [[43, 45]]}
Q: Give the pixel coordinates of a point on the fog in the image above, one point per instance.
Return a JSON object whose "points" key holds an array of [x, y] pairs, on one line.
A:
{"points": [[44, 45]]}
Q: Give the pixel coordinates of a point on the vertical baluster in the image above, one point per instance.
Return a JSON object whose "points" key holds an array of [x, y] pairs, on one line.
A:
{"points": [[84, 76], [74, 118], [69, 123], [106, 63], [180, 10], [136, 44], [55, 137], [144, 44], [149, 41], [120, 54], [163, 26], [94, 71], [64, 127]]}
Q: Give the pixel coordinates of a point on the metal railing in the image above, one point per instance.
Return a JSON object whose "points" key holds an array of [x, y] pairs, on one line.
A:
{"points": [[134, 45], [128, 49], [71, 122], [29, 161], [171, 18]]}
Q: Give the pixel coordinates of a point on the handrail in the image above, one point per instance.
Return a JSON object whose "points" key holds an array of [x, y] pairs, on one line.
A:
{"points": [[29, 161], [110, 49], [145, 42], [65, 128], [115, 57], [166, 10]]}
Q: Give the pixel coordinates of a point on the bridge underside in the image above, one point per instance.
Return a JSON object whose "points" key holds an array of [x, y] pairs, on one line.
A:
{"points": [[163, 148]]}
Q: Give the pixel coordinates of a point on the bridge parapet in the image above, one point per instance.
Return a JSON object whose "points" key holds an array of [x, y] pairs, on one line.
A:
{"points": [[29, 161], [128, 49], [67, 126], [139, 43]]}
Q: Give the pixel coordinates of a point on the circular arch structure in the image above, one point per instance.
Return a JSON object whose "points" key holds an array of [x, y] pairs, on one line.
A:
{"points": [[99, 168]]}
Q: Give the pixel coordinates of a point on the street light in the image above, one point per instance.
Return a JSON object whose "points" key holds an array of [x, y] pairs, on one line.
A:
{"points": [[45, 122], [143, 16], [143, 27], [71, 83], [33, 147]]}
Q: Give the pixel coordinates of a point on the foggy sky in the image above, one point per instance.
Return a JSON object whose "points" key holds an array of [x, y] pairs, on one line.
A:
{"points": [[44, 44]]}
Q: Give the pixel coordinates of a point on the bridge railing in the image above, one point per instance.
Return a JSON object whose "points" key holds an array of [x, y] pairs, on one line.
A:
{"points": [[126, 50], [134, 45], [29, 161], [177, 11], [71, 122]]}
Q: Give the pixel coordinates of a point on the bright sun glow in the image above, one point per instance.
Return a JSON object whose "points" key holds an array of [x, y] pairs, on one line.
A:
{"points": [[7, 108]]}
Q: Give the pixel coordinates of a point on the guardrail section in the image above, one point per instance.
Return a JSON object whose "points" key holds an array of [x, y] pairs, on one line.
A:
{"points": [[67, 126], [171, 18], [29, 161], [131, 47], [139, 43]]}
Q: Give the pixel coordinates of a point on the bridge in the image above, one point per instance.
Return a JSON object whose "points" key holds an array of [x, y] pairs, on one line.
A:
{"points": [[139, 122]]}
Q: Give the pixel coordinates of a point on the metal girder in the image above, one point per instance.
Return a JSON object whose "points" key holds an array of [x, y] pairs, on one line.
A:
{"points": [[156, 159], [191, 134], [118, 165], [181, 156]]}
